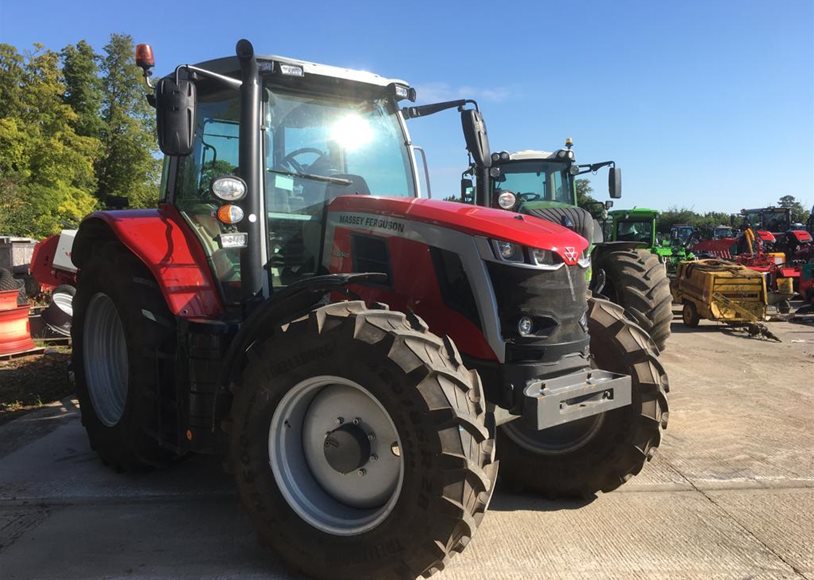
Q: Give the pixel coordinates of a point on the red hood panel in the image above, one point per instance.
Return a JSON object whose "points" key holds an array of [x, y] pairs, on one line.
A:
{"points": [[474, 220]]}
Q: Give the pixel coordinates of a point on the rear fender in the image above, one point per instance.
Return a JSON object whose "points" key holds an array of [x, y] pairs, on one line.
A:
{"points": [[161, 239]]}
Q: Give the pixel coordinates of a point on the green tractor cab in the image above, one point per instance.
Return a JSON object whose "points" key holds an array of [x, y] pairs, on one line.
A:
{"points": [[640, 225]]}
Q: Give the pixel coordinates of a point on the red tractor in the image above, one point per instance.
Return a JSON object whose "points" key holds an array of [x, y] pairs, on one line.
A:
{"points": [[356, 351]]}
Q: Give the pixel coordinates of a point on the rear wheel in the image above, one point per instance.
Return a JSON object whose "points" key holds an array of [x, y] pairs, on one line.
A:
{"points": [[360, 432], [602, 452], [638, 282], [123, 345]]}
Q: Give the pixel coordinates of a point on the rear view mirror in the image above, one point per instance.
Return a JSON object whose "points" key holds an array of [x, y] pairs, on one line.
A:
{"points": [[477, 142], [608, 203], [615, 182], [175, 115], [466, 188]]}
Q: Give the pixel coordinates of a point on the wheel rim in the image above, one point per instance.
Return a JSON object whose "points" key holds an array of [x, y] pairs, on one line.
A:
{"points": [[105, 359], [558, 440], [336, 455]]}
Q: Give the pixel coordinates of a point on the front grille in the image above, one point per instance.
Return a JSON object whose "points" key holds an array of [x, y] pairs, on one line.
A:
{"points": [[555, 300]]}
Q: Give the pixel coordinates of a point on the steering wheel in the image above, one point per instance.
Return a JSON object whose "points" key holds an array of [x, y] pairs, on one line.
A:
{"points": [[528, 196], [290, 161]]}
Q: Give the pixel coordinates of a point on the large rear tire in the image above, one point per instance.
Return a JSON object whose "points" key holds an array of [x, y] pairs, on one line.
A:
{"points": [[598, 453], [123, 345], [637, 281], [359, 445]]}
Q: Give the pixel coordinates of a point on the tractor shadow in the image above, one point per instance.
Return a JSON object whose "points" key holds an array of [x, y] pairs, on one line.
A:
{"points": [[505, 500]]}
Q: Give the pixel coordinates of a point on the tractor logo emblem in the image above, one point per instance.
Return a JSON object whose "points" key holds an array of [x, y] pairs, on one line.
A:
{"points": [[570, 254]]}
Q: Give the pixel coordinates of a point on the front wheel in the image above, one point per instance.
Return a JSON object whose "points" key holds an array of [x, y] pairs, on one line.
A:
{"points": [[359, 445], [637, 281], [601, 452]]}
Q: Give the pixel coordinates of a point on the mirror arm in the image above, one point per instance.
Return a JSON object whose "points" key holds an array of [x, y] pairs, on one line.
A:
{"points": [[431, 109], [594, 167], [228, 81]]}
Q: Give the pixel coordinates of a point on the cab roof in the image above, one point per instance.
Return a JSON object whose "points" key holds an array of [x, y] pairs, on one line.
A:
{"points": [[635, 212], [229, 66]]}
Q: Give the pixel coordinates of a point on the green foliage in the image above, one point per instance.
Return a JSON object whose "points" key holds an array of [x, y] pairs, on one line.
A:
{"points": [[584, 191], [798, 212], [47, 167], [705, 221], [83, 87], [128, 167], [71, 131]]}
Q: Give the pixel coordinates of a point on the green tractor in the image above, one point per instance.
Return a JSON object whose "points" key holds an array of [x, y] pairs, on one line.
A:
{"points": [[639, 225], [543, 184]]}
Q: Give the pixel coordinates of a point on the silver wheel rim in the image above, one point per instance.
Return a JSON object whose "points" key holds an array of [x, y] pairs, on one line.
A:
{"points": [[336, 503], [557, 440], [64, 302], [105, 359]]}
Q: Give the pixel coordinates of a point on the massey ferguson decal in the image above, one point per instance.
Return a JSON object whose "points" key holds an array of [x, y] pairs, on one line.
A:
{"points": [[372, 222], [570, 254]]}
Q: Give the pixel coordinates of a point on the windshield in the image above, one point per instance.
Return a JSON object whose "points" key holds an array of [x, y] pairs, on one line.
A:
{"points": [[634, 230], [317, 148], [537, 181]]}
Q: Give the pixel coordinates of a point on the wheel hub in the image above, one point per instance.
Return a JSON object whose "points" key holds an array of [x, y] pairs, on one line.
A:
{"points": [[342, 477], [347, 448]]}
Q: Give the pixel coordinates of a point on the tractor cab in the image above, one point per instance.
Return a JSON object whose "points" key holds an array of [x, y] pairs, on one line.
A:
{"points": [[634, 225], [534, 180], [681, 235], [322, 132], [722, 232]]}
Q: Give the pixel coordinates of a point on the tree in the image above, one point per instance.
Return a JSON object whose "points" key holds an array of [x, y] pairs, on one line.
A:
{"points": [[128, 167], [584, 190], [798, 212], [46, 168], [83, 87]]}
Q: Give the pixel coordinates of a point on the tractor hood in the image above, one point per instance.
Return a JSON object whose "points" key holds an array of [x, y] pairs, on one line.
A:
{"points": [[490, 223]]}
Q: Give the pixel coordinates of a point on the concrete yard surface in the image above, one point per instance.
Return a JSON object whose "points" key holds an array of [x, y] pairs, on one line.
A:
{"points": [[730, 493]]}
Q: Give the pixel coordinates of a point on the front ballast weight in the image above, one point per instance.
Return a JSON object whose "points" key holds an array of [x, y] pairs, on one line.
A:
{"points": [[554, 401]]}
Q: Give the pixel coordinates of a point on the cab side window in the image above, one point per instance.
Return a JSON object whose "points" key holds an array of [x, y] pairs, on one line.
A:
{"points": [[215, 153]]}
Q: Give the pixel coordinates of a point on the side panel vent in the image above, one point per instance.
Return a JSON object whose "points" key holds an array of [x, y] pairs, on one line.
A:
{"points": [[370, 255]]}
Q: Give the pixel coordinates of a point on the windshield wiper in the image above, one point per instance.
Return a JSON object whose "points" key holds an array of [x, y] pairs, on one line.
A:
{"points": [[315, 177]]}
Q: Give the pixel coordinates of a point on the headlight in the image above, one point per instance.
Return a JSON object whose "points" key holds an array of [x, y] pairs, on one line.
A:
{"points": [[508, 251], [229, 188], [506, 200], [544, 257], [585, 260]]}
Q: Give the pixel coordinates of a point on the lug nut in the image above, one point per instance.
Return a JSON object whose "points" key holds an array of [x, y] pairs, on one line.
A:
{"points": [[340, 420], [356, 421], [362, 472], [371, 436], [374, 457]]}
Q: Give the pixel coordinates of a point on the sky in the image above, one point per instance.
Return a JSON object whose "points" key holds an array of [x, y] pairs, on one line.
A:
{"points": [[704, 104]]}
